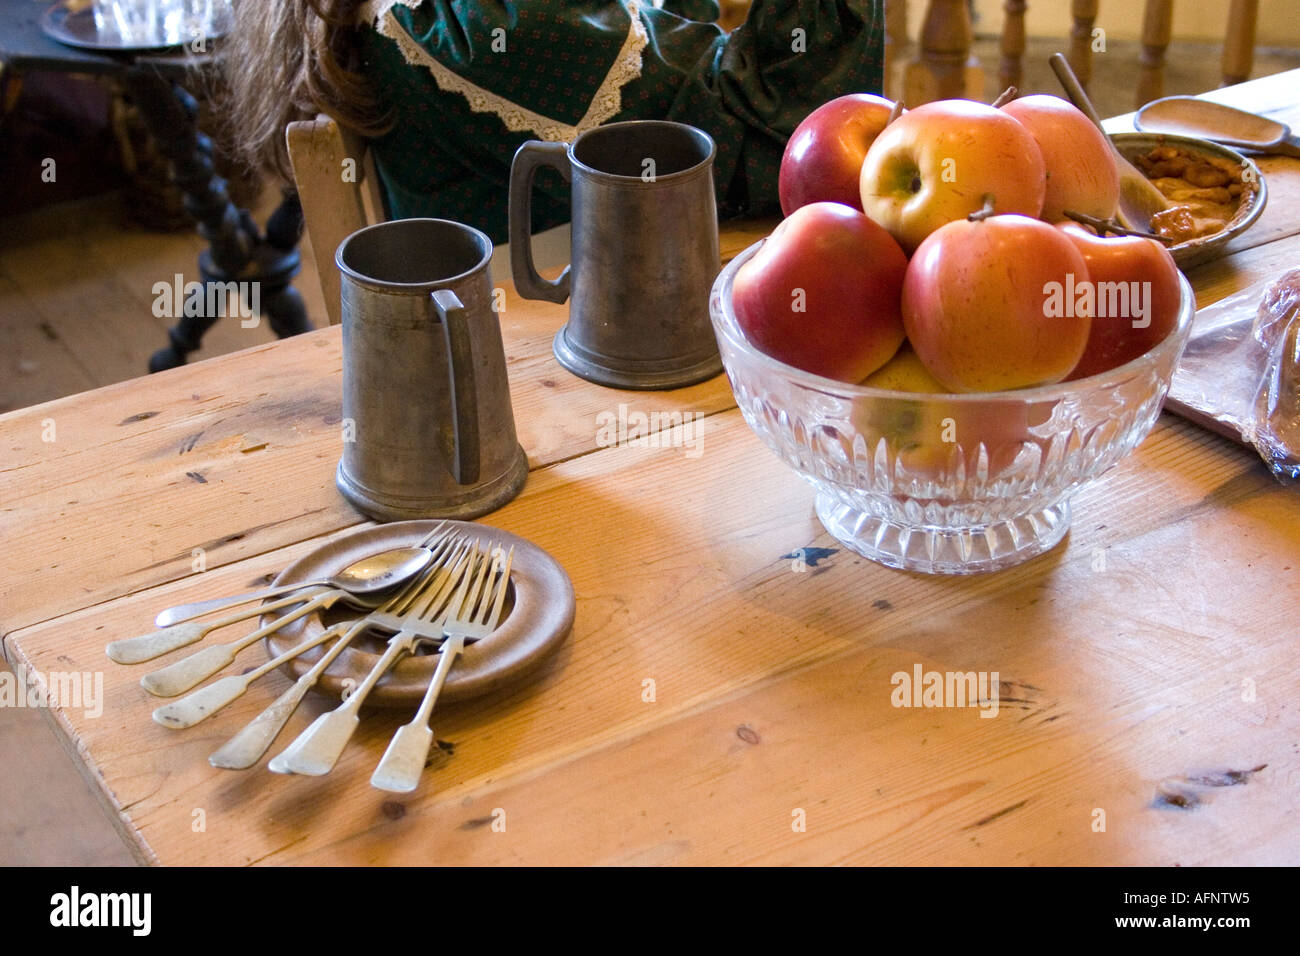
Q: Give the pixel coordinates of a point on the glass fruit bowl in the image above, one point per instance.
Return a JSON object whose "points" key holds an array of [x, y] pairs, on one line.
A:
{"points": [[944, 484]]}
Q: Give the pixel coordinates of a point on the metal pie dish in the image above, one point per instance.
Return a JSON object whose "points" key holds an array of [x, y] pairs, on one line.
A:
{"points": [[537, 617], [1193, 252]]}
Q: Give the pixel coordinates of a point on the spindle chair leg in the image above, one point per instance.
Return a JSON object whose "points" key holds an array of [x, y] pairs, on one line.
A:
{"points": [[1157, 26], [1239, 41]]}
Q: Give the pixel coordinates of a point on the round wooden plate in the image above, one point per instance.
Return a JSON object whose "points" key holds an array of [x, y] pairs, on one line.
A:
{"points": [[537, 617]]}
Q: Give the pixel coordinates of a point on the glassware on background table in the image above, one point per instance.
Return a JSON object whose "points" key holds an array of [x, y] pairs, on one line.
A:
{"points": [[157, 23]]}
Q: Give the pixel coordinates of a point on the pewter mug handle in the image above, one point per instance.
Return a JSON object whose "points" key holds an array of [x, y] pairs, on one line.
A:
{"points": [[530, 157], [460, 368]]}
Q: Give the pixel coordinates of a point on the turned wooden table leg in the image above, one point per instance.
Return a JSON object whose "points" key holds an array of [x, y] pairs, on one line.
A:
{"points": [[239, 259]]}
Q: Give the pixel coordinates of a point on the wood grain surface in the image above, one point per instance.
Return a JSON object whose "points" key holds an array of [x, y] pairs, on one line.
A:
{"points": [[727, 694]]}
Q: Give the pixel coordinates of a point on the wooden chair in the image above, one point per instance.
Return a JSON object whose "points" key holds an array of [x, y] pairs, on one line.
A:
{"points": [[339, 192], [943, 66]]}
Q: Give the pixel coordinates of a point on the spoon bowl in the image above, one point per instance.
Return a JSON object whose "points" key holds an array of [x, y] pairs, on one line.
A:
{"points": [[363, 581]]}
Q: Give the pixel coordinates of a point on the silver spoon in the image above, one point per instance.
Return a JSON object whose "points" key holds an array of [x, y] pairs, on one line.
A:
{"points": [[362, 579], [1139, 200], [135, 650], [177, 678], [1189, 116]]}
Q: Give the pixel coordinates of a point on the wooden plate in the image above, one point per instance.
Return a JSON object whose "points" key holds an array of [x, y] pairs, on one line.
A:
{"points": [[538, 616]]}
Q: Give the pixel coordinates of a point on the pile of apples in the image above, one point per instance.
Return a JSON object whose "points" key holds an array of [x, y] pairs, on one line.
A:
{"points": [[943, 228]]}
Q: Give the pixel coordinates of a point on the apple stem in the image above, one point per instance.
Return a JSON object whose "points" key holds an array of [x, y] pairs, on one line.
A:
{"points": [[896, 112], [1103, 226], [987, 210], [1009, 94]]}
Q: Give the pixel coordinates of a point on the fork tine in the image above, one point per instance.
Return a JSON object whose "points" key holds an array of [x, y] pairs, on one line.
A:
{"points": [[455, 608], [502, 581], [476, 594], [484, 605], [444, 557], [434, 601]]}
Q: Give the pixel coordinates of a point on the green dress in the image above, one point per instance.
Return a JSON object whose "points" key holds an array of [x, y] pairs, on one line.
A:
{"points": [[468, 81]]}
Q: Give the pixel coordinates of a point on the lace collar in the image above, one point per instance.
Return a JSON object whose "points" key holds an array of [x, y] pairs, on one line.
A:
{"points": [[604, 105]]}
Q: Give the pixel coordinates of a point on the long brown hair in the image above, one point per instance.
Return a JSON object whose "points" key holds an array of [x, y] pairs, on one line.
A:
{"points": [[288, 60]]}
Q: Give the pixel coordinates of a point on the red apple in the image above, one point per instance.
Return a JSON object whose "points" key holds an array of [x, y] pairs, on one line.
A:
{"points": [[938, 162], [823, 159], [822, 293], [1136, 297], [987, 304], [1081, 171]]}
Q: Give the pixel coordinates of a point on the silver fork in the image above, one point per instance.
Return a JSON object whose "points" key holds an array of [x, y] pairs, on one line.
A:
{"points": [[474, 617], [247, 747], [318, 748], [207, 700]]}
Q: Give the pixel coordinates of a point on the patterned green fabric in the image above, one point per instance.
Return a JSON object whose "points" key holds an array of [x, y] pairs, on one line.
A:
{"points": [[748, 90]]}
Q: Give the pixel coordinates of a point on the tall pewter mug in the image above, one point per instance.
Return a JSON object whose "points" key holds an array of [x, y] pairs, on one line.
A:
{"points": [[644, 252], [428, 426]]}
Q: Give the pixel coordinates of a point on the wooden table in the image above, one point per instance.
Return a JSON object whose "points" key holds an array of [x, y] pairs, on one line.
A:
{"points": [[719, 701]]}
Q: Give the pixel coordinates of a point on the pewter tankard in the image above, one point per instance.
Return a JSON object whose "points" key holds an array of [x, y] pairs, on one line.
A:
{"points": [[428, 427], [644, 252]]}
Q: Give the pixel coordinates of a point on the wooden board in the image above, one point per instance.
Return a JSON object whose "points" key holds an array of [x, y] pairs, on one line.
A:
{"points": [[770, 681]]}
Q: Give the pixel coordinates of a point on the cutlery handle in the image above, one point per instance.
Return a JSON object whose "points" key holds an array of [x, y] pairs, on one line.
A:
{"points": [[1074, 89], [193, 670], [247, 747], [403, 762], [206, 701], [183, 612], [136, 650], [399, 771], [401, 643], [179, 677], [318, 748], [451, 649], [201, 704]]}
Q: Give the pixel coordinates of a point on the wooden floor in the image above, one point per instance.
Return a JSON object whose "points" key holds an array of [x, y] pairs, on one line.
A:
{"points": [[76, 312]]}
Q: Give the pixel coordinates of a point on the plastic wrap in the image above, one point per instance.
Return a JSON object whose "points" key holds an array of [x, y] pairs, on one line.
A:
{"points": [[1240, 374]]}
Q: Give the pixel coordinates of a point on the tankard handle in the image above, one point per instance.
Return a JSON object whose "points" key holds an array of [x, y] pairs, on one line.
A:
{"points": [[460, 368], [530, 157]]}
